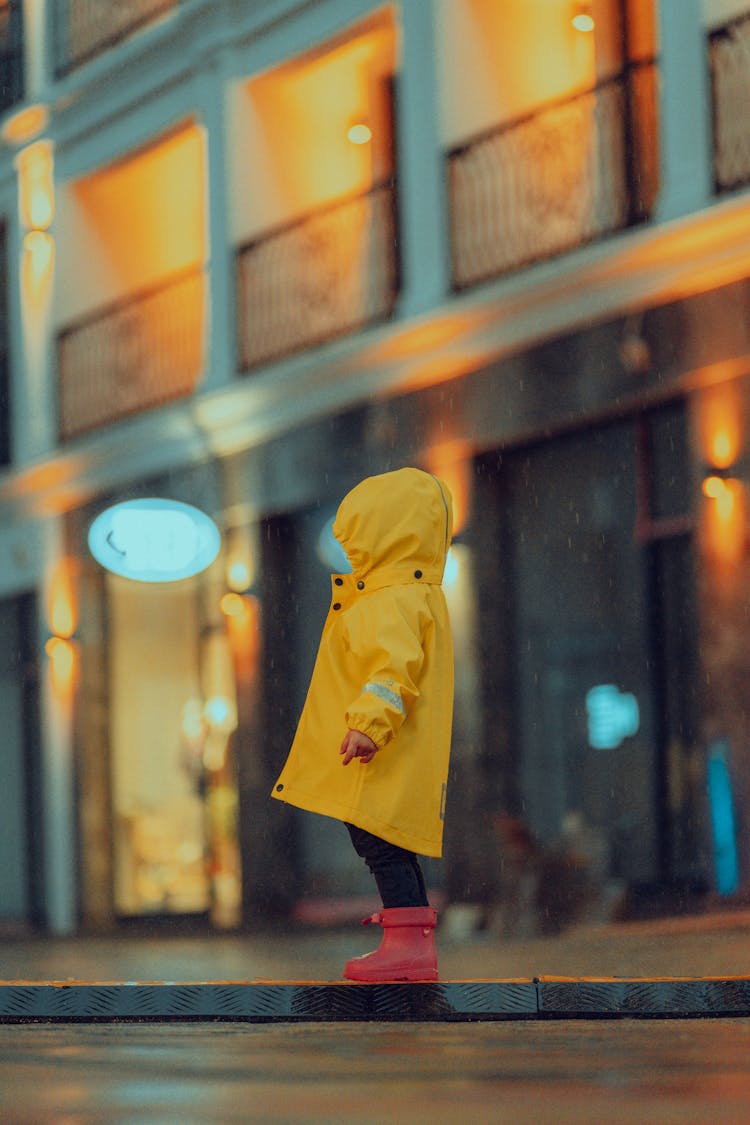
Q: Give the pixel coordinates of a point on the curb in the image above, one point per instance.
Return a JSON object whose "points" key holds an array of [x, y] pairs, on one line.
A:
{"points": [[541, 998]]}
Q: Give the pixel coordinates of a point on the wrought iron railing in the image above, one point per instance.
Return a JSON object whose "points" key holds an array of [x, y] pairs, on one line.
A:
{"points": [[325, 275], [567, 174], [729, 56], [11, 54], [86, 28], [132, 355]]}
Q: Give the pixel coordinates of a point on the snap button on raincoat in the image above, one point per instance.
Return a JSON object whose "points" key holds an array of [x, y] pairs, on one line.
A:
{"points": [[384, 667]]}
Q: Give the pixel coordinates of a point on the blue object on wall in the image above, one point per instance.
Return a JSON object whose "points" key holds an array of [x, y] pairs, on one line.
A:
{"points": [[722, 818]]}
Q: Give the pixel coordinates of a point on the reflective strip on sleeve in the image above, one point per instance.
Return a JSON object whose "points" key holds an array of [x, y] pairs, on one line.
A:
{"points": [[386, 693]]}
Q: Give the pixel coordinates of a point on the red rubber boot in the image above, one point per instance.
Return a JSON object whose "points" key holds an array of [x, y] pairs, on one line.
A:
{"points": [[407, 951]]}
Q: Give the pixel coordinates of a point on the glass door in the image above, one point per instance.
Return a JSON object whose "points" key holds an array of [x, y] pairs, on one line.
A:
{"points": [[173, 712]]}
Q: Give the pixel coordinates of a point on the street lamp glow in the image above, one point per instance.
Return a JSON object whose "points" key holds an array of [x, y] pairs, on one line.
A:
{"points": [[154, 540]]}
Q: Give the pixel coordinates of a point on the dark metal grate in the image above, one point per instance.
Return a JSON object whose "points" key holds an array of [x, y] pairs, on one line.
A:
{"points": [[729, 57], [543, 998], [87, 28], [556, 179], [320, 277], [132, 355]]}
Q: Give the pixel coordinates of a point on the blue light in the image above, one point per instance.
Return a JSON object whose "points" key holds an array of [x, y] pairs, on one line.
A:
{"points": [[154, 540], [330, 551], [452, 566], [613, 716], [722, 819]]}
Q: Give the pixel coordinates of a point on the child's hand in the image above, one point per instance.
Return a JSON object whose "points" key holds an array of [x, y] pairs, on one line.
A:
{"points": [[357, 745]]}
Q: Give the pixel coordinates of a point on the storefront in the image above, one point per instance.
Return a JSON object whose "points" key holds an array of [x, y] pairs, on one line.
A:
{"points": [[590, 653], [593, 583], [156, 731]]}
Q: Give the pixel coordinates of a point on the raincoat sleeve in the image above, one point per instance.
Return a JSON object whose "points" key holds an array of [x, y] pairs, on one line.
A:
{"points": [[384, 640]]}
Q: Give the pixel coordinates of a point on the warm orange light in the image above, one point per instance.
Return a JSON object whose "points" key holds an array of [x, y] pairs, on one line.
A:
{"points": [[722, 448], [25, 124], [309, 109], [149, 212], [40, 249], [36, 194], [724, 493], [421, 340], [243, 630], [714, 487], [61, 613], [725, 518], [457, 475], [360, 134], [62, 657], [40, 209], [232, 605], [720, 424]]}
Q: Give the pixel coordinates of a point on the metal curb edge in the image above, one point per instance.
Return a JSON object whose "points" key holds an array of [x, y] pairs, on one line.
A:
{"points": [[277, 1001]]}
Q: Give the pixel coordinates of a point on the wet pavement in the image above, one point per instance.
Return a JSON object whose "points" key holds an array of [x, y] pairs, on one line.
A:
{"points": [[711, 945], [559, 1071], [692, 1072]]}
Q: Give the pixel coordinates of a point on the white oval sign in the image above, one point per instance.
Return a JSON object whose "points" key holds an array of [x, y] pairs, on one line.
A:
{"points": [[154, 540]]}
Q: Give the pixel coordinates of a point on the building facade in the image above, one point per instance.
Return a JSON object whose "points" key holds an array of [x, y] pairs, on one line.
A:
{"points": [[253, 252]]}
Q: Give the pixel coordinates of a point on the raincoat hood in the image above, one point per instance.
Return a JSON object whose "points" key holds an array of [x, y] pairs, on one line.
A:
{"points": [[397, 524]]}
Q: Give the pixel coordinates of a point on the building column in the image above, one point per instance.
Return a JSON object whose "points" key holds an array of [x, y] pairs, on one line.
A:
{"points": [[220, 298], [423, 201], [31, 266], [58, 664], [686, 149]]}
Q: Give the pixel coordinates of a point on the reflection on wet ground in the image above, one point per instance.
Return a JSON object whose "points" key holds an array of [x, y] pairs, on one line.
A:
{"points": [[687, 1071]]}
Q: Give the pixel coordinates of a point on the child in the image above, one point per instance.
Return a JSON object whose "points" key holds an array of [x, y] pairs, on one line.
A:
{"points": [[382, 692]]}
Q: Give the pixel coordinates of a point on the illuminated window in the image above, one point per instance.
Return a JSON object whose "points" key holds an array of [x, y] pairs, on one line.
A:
{"points": [[173, 711]]}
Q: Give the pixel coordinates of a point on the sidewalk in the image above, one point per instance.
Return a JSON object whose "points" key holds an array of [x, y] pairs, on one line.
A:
{"points": [[705, 945], [272, 975]]}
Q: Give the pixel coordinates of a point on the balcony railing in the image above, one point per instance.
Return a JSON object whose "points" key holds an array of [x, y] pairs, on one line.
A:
{"points": [[729, 55], [86, 28], [572, 172], [131, 356], [328, 274]]}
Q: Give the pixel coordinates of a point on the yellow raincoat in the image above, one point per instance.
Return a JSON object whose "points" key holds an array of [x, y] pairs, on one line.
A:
{"points": [[384, 667]]}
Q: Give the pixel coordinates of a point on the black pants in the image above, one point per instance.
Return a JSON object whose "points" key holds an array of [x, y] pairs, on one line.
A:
{"points": [[397, 872]]}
